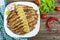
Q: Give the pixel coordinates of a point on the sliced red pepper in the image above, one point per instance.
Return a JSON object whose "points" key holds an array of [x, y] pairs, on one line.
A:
{"points": [[49, 20]]}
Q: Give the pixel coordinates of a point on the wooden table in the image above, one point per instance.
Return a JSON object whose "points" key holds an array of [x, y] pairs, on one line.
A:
{"points": [[44, 34]]}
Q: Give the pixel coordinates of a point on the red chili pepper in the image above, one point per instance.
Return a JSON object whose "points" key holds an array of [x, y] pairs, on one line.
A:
{"points": [[49, 20]]}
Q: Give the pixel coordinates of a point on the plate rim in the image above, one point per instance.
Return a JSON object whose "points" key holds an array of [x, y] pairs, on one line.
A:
{"points": [[28, 5]]}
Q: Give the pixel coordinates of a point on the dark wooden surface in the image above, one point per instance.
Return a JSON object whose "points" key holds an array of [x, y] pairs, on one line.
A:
{"points": [[44, 34]]}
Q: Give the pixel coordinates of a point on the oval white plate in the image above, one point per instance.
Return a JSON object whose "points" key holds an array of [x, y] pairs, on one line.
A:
{"points": [[30, 34]]}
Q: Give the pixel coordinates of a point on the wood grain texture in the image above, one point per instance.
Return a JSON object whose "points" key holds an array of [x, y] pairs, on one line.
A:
{"points": [[44, 34]]}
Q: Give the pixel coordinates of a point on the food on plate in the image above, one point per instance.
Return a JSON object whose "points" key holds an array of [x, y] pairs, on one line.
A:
{"points": [[22, 19]]}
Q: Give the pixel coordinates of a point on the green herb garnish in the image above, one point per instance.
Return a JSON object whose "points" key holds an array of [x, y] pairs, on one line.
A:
{"points": [[7, 12]]}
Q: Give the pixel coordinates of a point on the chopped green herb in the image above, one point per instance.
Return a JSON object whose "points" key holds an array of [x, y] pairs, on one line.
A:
{"points": [[7, 12]]}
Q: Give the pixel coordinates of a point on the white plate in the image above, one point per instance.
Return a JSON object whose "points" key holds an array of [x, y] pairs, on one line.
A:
{"points": [[30, 34]]}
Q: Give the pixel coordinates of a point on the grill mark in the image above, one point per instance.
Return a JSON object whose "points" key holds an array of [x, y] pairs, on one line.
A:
{"points": [[14, 24], [17, 20], [29, 16], [17, 28], [28, 13], [33, 23], [10, 16], [13, 18], [29, 20], [18, 25], [20, 30], [36, 16]]}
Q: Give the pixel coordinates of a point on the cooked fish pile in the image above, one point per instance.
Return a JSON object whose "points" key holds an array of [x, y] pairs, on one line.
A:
{"points": [[16, 24]]}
